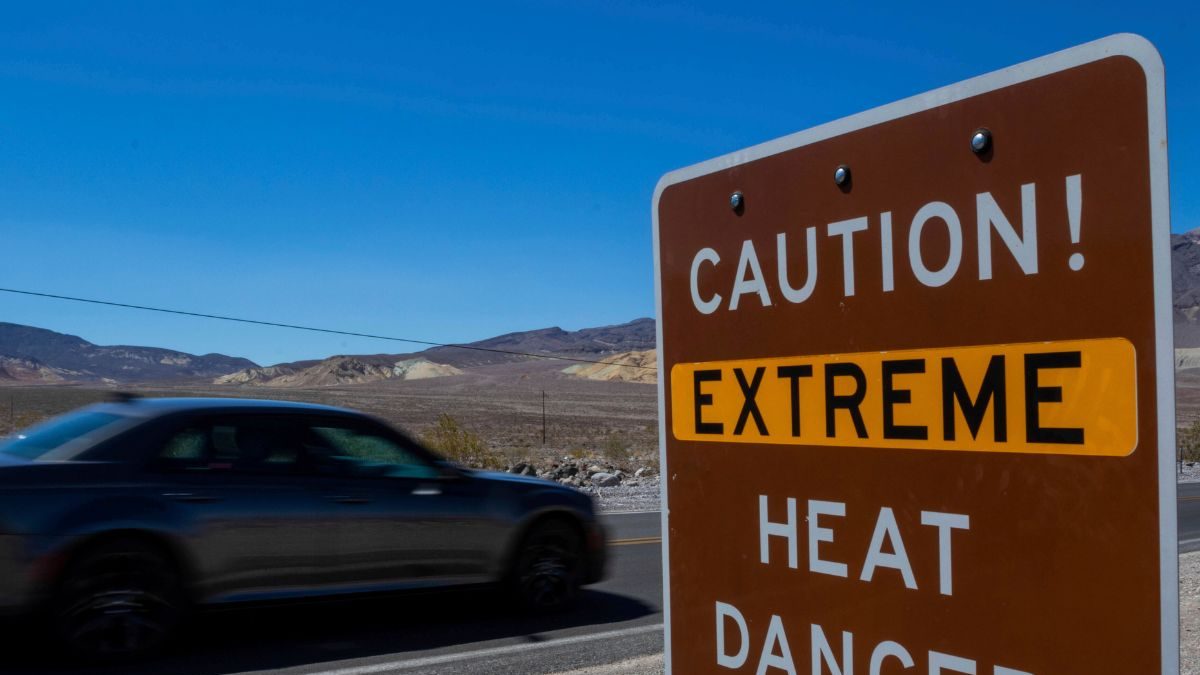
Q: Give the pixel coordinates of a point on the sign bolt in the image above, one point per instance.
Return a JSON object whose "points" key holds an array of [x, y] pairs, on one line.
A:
{"points": [[841, 175], [737, 201], [981, 141]]}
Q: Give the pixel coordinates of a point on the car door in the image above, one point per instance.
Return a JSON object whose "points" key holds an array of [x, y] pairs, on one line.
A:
{"points": [[405, 521], [257, 526]]}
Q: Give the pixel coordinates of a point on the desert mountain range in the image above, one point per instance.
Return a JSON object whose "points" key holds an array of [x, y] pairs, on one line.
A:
{"points": [[36, 355], [29, 354], [640, 366], [605, 343], [1185, 288], [340, 370]]}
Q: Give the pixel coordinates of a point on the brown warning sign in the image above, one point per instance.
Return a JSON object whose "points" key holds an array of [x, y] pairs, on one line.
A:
{"points": [[917, 407]]}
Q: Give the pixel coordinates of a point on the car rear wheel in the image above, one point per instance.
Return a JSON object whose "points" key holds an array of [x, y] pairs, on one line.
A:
{"points": [[118, 601], [547, 573]]}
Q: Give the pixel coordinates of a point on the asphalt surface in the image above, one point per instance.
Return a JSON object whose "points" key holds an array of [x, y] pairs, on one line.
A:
{"points": [[464, 633], [467, 633], [1189, 517]]}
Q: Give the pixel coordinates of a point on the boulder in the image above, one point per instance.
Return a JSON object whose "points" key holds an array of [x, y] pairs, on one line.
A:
{"points": [[604, 479]]}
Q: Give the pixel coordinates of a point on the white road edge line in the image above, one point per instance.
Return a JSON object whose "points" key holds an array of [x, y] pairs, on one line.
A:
{"points": [[487, 653], [626, 513]]}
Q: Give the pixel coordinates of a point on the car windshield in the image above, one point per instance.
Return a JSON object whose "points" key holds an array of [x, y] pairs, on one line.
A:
{"points": [[41, 440]]}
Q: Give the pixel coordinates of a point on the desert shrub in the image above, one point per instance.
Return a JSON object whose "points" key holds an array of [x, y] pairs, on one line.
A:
{"points": [[515, 455], [616, 449], [22, 421], [1187, 439], [651, 461], [458, 445]]}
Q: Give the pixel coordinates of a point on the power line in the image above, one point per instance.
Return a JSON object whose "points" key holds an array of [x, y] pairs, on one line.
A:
{"points": [[313, 329]]}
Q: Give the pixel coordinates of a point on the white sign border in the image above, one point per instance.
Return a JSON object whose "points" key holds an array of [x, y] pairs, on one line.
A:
{"points": [[1124, 44]]}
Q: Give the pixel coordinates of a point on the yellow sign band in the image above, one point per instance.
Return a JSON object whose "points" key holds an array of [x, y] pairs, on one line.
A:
{"points": [[1063, 398]]}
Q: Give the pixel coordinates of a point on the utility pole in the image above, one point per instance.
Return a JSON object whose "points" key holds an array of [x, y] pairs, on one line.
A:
{"points": [[543, 418]]}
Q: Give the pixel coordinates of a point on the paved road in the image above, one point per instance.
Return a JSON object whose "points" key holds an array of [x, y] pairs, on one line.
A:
{"points": [[464, 633], [1189, 516], [461, 633]]}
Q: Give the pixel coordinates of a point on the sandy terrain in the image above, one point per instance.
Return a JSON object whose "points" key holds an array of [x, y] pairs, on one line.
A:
{"points": [[502, 404]]}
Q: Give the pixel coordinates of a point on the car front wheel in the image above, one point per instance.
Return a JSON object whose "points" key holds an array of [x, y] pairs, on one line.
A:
{"points": [[118, 601], [547, 574]]}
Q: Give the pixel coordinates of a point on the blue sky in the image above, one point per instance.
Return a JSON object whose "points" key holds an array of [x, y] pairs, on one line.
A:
{"points": [[434, 170]]}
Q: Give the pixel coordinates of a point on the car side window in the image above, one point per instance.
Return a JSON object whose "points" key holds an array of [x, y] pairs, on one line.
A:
{"points": [[187, 445], [360, 452], [242, 445]]}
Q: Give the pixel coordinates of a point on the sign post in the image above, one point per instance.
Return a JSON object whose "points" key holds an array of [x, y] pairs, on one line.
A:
{"points": [[916, 391]]}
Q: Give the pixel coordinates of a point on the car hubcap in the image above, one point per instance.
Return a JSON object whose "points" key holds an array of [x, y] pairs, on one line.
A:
{"points": [[548, 578], [117, 609], [116, 622]]}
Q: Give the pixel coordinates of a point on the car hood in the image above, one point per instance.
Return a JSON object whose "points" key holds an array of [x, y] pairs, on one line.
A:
{"points": [[543, 492], [10, 460]]}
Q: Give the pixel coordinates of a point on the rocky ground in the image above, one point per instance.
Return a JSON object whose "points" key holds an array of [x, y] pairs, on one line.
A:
{"points": [[643, 496], [1189, 613], [616, 487], [1189, 472]]}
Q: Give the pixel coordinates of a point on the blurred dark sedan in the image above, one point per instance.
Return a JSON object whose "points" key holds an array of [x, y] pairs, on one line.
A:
{"points": [[117, 519]]}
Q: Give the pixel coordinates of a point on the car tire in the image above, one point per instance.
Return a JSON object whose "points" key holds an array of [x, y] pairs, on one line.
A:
{"points": [[547, 573], [118, 601]]}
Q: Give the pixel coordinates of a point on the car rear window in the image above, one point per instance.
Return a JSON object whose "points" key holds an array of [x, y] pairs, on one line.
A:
{"points": [[43, 439]]}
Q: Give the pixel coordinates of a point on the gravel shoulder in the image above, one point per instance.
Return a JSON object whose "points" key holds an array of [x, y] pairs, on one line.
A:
{"points": [[1189, 613], [646, 665], [644, 496]]}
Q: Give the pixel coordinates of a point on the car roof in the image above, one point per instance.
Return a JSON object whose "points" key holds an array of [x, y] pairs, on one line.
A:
{"points": [[153, 407]]}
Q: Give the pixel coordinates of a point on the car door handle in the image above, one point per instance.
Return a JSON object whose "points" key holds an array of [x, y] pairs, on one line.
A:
{"points": [[192, 497], [348, 499], [427, 490]]}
